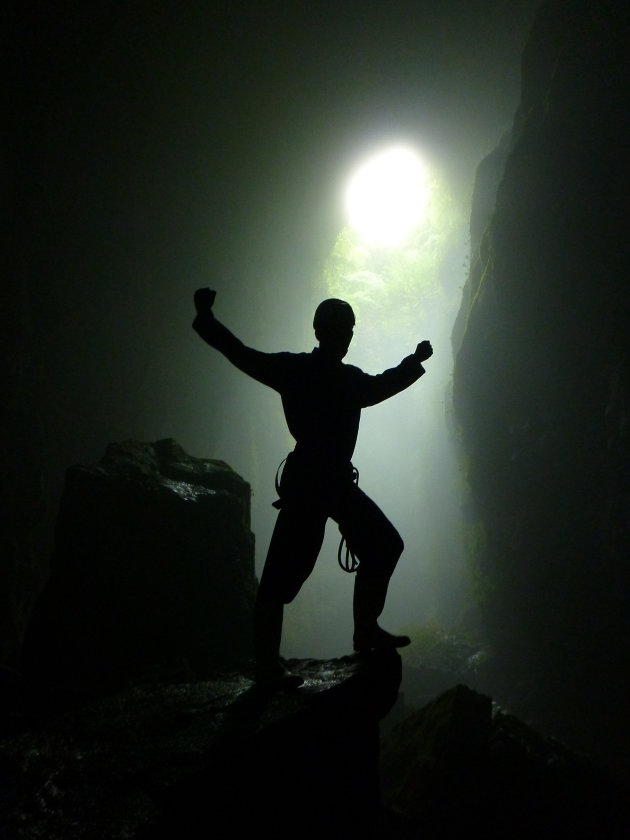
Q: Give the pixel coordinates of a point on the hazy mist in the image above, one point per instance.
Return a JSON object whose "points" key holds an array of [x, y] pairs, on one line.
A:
{"points": [[154, 150]]}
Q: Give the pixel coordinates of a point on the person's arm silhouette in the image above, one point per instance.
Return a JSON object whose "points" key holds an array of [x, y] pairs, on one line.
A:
{"points": [[268, 368], [423, 351], [373, 389], [204, 301]]}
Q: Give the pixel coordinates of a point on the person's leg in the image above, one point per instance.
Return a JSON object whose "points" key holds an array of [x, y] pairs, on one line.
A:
{"points": [[268, 616], [295, 544], [367, 605], [378, 546]]}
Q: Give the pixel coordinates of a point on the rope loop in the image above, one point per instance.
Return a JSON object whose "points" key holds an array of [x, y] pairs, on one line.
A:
{"points": [[279, 474], [348, 561]]}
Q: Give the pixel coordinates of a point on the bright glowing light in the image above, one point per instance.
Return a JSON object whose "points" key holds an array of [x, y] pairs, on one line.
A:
{"points": [[387, 197]]}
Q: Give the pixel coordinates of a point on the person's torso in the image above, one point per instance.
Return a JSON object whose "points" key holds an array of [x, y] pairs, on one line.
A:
{"points": [[322, 408]]}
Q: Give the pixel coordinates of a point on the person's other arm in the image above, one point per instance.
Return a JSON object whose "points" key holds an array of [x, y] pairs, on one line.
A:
{"points": [[382, 386], [268, 368]]}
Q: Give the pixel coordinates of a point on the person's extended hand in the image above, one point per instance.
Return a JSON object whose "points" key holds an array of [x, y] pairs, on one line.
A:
{"points": [[204, 299], [423, 351]]}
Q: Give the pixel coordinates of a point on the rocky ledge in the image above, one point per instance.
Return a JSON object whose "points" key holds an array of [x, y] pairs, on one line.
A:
{"points": [[215, 757], [192, 759]]}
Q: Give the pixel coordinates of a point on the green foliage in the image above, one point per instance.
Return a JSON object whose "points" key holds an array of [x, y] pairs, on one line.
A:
{"points": [[396, 290]]}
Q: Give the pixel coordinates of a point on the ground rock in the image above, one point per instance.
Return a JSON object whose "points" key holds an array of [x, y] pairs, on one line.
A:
{"points": [[207, 758], [460, 766]]}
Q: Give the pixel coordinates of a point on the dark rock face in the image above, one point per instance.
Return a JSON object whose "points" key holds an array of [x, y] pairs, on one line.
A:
{"points": [[542, 376], [455, 768], [22, 506], [153, 568], [209, 758]]}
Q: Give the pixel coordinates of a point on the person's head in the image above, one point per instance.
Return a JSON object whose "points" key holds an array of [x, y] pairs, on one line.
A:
{"points": [[333, 324]]}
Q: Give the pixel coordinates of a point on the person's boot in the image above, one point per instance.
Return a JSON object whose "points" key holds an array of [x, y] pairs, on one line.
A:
{"points": [[270, 672], [369, 600]]}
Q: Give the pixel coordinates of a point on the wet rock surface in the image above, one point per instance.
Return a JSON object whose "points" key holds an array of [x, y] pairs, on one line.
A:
{"points": [[218, 756], [189, 759]]}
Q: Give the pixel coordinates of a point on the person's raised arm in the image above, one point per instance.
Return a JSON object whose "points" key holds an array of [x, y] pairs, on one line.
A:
{"points": [[268, 368], [375, 389], [423, 351]]}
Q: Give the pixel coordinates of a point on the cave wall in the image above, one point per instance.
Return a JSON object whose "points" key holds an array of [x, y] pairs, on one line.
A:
{"points": [[542, 373], [22, 503]]}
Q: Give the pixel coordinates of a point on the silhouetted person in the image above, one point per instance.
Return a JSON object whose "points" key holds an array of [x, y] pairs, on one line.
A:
{"points": [[322, 400]]}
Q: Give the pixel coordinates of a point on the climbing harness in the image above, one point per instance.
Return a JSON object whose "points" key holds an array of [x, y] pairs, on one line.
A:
{"points": [[347, 560]]}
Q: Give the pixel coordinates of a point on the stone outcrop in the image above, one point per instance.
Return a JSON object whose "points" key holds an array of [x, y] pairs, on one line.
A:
{"points": [[542, 374], [207, 758], [218, 757], [460, 767], [153, 570]]}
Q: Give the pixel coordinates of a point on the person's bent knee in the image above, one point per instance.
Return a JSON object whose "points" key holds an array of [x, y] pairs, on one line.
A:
{"points": [[394, 550], [282, 593], [392, 555]]}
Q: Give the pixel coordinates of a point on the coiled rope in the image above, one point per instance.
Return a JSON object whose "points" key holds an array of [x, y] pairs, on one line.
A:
{"points": [[348, 561]]}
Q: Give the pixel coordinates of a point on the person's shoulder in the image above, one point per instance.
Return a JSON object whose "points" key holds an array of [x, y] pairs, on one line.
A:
{"points": [[292, 363], [293, 358], [352, 370], [287, 356]]}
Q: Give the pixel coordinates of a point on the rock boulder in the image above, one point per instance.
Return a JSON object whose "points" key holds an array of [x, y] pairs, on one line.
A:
{"points": [[153, 570]]}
